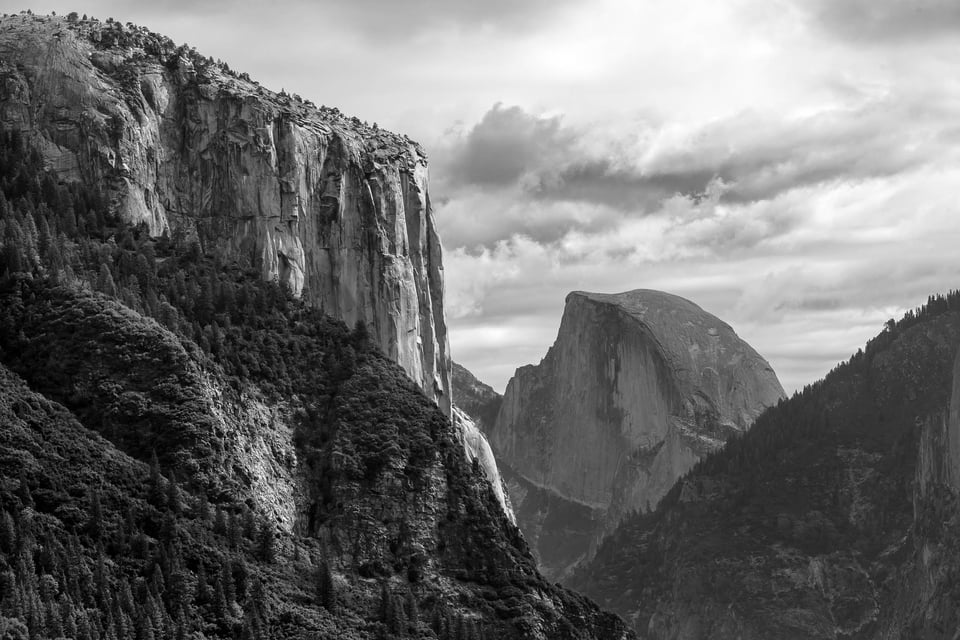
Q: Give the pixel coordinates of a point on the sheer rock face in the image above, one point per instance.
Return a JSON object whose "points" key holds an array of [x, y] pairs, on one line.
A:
{"points": [[337, 211], [637, 387], [938, 462], [476, 447]]}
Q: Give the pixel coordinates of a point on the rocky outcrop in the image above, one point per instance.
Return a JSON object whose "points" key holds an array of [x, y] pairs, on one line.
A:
{"points": [[336, 210], [476, 448], [476, 411], [637, 387]]}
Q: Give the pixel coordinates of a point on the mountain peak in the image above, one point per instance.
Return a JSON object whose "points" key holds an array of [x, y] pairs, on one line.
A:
{"points": [[637, 387]]}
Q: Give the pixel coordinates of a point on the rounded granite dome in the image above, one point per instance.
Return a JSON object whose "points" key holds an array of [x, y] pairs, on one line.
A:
{"points": [[711, 362]]}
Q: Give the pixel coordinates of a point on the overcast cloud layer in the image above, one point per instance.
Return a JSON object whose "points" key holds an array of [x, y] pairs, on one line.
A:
{"points": [[789, 165]]}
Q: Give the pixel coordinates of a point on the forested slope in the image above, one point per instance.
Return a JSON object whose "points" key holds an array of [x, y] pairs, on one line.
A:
{"points": [[817, 523], [188, 451]]}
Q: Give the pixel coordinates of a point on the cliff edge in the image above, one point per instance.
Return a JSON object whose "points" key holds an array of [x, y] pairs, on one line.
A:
{"points": [[335, 210]]}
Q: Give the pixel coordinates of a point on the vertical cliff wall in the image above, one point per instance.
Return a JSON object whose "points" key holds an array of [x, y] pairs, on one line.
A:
{"points": [[637, 387], [938, 454], [336, 210], [478, 451]]}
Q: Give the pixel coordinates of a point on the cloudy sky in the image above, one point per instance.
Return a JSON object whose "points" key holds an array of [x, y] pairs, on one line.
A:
{"points": [[789, 165]]}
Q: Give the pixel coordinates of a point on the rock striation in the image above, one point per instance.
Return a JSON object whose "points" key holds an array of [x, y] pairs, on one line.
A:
{"points": [[476, 448], [334, 209], [637, 387]]}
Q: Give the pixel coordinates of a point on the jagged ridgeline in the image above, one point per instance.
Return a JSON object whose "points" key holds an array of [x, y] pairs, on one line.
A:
{"points": [[188, 450], [835, 516]]}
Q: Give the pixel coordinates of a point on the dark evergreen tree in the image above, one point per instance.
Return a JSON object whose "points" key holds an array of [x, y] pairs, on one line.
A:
{"points": [[266, 542], [326, 590], [203, 595], [249, 524], [8, 533], [233, 530], [157, 495], [95, 520], [412, 612], [105, 283], [173, 495], [220, 522]]}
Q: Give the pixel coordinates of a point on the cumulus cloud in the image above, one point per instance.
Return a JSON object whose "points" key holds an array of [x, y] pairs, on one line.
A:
{"points": [[754, 156], [795, 273], [368, 19], [378, 18], [505, 145], [887, 20]]}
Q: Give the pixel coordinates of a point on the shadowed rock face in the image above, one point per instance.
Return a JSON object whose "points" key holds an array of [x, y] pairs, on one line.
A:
{"points": [[637, 387], [475, 398], [334, 209], [938, 461]]}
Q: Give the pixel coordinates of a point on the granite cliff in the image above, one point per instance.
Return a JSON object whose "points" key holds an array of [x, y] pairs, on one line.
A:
{"points": [[192, 445], [637, 387], [835, 516], [337, 211]]}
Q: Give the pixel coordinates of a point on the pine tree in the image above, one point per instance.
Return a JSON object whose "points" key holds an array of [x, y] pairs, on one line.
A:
{"points": [[226, 579], [95, 521], [360, 337], [13, 259], [13, 629], [173, 495], [266, 544], [413, 611], [23, 491], [220, 522], [241, 575], [157, 495], [203, 589], [249, 524], [233, 530], [326, 590], [157, 584], [221, 607], [8, 533], [386, 605], [105, 282], [203, 508]]}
